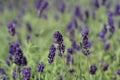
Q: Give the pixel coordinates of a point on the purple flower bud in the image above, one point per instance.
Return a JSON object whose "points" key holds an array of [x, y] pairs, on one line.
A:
{"points": [[58, 37], [87, 14], [70, 51], [117, 9], [96, 4], [86, 52], [44, 5], [26, 73], [78, 13], [93, 69], [28, 26], [28, 38], [118, 72], [8, 62], [106, 46], [51, 53], [68, 58], [40, 67], [103, 31], [72, 70], [2, 71], [62, 7], [105, 66], [11, 28], [60, 76], [14, 74]]}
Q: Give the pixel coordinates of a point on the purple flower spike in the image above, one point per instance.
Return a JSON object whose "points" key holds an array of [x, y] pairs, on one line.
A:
{"points": [[118, 72], [96, 3], [51, 53], [78, 13], [40, 67], [28, 26], [62, 7], [11, 28], [117, 9], [26, 73], [103, 31], [68, 58], [105, 67], [14, 73], [58, 37], [93, 69]]}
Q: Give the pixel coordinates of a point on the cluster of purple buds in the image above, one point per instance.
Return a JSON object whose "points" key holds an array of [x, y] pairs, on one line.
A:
{"points": [[11, 28], [41, 5], [28, 26], [106, 46], [74, 45], [12, 49], [59, 40], [40, 67], [16, 52], [78, 13], [96, 4], [62, 7], [2, 71], [51, 53], [103, 32], [87, 14], [111, 24], [26, 73], [105, 67], [93, 69], [14, 73], [85, 42], [117, 9], [69, 59]]}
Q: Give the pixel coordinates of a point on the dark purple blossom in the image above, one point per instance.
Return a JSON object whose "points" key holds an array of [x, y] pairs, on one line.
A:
{"points": [[28, 26], [105, 66], [68, 58], [2, 71], [93, 69], [14, 74], [70, 51], [75, 45], [87, 14], [117, 9], [12, 48], [26, 73], [60, 76], [8, 62], [103, 31], [106, 46], [51, 53], [40, 67], [62, 7], [28, 38], [118, 72], [96, 4], [78, 13], [58, 37], [11, 28], [72, 70], [86, 52], [69, 25], [19, 58]]}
